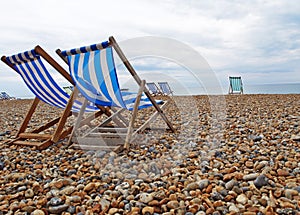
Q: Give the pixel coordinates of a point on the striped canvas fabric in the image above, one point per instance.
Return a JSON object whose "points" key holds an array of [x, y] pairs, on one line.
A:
{"points": [[38, 79], [93, 70], [165, 88], [153, 88], [236, 83]]}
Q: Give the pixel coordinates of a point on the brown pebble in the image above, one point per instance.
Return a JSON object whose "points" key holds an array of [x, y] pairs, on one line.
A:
{"points": [[173, 204], [148, 210], [282, 172]]}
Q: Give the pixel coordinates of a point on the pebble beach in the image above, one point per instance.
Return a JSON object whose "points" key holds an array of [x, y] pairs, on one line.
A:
{"points": [[240, 156]]}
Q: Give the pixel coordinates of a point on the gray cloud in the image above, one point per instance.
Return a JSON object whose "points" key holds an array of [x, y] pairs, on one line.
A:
{"points": [[259, 39]]}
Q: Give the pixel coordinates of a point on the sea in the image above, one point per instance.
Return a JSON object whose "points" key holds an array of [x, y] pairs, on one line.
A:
{"points": [[293, 88]]}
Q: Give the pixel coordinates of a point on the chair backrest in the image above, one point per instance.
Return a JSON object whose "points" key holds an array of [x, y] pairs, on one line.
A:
{"points": [[93, 69], [153, 88], [235, 83], [165, 88], [38, 79], [4, 95]]}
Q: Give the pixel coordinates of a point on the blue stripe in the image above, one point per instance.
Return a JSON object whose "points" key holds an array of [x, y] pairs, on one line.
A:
{"points": [[83, 49], [85, 69], [73, 51], [113, 75], [105, 44], [94, 47]]}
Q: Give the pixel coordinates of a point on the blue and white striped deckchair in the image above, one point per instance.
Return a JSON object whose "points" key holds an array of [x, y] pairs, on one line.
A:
{"points": [[165, 88], [93, 69], [153, 88], [235, 85], [30, 67]]}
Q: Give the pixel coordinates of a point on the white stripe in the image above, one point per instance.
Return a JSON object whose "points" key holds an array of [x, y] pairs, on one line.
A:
{"points": [[99, 46], [91, 94], [88, 48], [142, 103], [107, 79], [129, 96], [18, 59], [80, 66], [93, 76]]}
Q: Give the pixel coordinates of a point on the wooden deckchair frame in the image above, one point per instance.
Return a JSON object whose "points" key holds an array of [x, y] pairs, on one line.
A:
{"points": [[45, 140], [231, 91], [142, 89]]}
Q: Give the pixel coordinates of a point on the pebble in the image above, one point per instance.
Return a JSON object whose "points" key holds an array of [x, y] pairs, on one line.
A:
{"points": [[250, 177], [146, 197], [261, 181], [38, 212], [58, 209], [246, 163], [242, 199]]}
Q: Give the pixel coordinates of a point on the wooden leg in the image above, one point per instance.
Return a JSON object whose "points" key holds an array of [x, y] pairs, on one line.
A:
{"points": [[134, 114], [28, 116], [78, 120], [65, 115]]}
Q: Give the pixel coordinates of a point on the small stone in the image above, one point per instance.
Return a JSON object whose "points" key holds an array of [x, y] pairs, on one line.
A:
{"points": [[242, 199], [261, 181], [67, 190], [249, 164], [203, 183], [146, 197], [29, 193], [71, 172], [38, 212], [250, 177], [295, 137], [282, 172], [113, 211], [55, 201], [58, 209], [233, 208], [230, 184], [289, 193], [28, 209], [89, 187], [192, 186], [22, 188], [148, 210], [173, 204], [104, 204]]}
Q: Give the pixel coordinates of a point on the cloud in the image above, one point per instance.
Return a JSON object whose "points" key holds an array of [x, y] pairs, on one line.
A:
{"points": [[250, 38]]}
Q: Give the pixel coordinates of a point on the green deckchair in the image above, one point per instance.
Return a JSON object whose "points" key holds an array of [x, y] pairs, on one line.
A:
{"points": [[235, 85]]}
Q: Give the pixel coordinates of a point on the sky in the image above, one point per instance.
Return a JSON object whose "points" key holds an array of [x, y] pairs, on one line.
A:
{"points": [[258, 40]]}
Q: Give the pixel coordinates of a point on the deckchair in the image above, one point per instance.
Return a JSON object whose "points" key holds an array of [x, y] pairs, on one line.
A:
{"points": [[29, 65], [165, 88], [235, 85], [153, 89], [68, 89], [93, 69]]}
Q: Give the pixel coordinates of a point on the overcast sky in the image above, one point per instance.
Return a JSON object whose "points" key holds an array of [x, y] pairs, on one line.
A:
{"points": [[259, 40]]}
